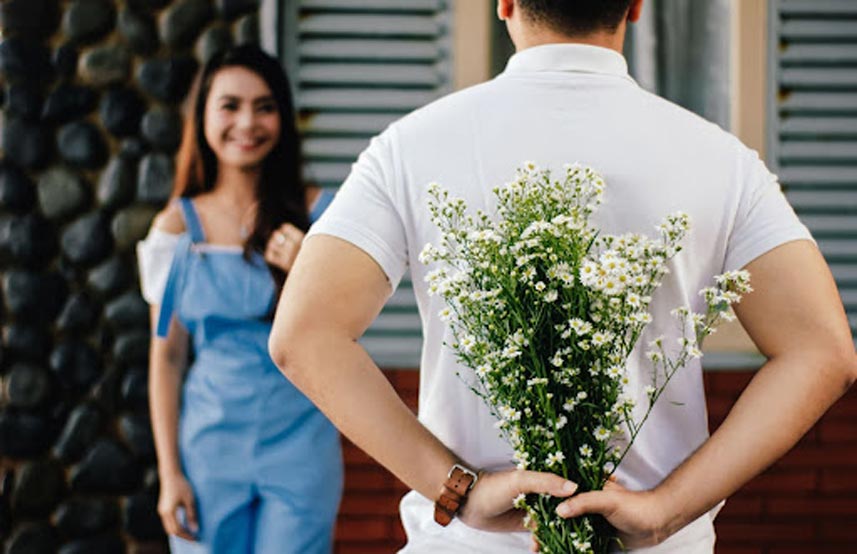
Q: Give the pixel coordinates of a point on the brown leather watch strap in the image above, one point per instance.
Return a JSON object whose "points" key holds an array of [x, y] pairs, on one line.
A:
{"points": [[453, 493]]}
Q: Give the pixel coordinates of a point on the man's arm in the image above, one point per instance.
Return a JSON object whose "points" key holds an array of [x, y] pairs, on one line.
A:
{"points": [[333, 293], [796, 319]]}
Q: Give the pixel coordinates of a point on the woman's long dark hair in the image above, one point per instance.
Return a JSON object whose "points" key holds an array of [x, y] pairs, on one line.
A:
{"points": [[280, 192]]}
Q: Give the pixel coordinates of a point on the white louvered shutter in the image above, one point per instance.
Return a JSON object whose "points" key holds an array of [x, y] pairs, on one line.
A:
{"points": [[813, 125], [356, 66]]}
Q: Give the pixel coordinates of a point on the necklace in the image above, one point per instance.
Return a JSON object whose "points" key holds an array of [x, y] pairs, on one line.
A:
{"points": [[245, 221], [245, 226]]}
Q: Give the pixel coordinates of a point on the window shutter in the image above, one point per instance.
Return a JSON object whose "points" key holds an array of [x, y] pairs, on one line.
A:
{"points": [[356, 66], [812, 124]]}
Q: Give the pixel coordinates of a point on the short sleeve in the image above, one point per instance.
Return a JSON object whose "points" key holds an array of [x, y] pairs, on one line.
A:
{"points": [[765, 220], [364, 211], [154, 257]]}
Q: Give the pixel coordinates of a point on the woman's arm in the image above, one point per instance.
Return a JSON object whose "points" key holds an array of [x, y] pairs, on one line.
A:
{"points": [[167, 361]]}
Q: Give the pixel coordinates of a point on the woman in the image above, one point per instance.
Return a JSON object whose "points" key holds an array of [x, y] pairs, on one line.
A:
{"points": [[246, 463]]}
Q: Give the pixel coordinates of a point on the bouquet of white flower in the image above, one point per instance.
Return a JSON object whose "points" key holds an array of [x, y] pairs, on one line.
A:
{"points": [[546, 311]]}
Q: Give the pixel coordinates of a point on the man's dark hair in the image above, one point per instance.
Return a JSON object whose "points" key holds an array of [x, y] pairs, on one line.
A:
{"points": [[576, 17]]}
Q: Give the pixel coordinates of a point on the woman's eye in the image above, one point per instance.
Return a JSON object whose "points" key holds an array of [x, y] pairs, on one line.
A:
{"points": [[229, 106], [267, 108]]}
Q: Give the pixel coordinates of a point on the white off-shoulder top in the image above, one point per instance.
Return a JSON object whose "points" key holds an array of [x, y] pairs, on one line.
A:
{"points": [[154, 257]]}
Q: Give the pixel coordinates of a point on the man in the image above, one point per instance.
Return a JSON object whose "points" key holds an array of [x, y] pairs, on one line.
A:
{"points": [[564, 97]]}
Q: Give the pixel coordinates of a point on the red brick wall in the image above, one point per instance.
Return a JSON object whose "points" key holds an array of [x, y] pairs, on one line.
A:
{"points": [[805, 504]]}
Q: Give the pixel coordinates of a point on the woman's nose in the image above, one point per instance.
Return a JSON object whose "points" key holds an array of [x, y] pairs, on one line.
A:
{"points": [[246, 118]]}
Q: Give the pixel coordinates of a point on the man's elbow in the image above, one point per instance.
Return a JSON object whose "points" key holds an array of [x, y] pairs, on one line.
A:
{"points": [[843, 360], [285, 351], [850, 367]]}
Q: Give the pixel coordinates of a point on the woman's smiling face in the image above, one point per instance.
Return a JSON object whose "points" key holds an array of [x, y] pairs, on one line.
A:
{"points": [[242, 121]]}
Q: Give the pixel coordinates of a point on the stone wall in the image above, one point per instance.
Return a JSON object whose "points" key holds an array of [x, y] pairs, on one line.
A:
{"points": [[91, 93]]}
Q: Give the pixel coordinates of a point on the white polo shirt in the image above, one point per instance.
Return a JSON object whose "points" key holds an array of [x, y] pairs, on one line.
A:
{"points": [[558, 104]]}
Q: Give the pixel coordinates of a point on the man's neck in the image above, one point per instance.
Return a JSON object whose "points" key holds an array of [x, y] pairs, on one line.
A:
{"points": [[614, 41]]}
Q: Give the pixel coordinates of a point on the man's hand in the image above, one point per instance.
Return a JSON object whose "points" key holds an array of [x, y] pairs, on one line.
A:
{"points": [[637, 516], [489, 505]]}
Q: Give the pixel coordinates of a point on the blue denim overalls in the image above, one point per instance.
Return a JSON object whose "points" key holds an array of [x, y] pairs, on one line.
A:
{"points": [[265, 465]]}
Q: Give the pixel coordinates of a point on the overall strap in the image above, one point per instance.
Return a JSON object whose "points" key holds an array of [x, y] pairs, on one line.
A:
{"points": [[324, 199], [191, 219], [168, 303]]}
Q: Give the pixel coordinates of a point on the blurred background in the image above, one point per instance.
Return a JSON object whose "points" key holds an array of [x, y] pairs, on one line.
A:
{"points": [[91, 117]]}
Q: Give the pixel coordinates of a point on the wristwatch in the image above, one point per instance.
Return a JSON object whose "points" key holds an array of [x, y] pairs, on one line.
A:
{"points": [[458, 483]]}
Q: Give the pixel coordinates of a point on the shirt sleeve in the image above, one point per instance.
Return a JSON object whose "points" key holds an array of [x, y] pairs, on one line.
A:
{"points": [[765, 219], [364, 211], [154, 257]]}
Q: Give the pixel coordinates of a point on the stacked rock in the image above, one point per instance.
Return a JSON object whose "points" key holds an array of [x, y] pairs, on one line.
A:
{"points": [[91, 93]]}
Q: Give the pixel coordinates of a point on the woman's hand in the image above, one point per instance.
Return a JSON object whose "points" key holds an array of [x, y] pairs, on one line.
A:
{"points": [[176, 493], [283, 246]]}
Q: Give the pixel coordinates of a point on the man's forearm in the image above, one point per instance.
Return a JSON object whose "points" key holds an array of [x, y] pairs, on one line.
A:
{"points": [[337, 374], [318, 351], [785, 398]]}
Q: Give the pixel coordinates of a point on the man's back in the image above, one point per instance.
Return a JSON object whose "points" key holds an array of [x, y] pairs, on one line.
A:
{"points": [[561, 101], [554, 105]]}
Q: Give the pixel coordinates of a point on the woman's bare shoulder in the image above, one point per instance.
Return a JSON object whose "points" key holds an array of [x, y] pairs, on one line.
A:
{"points": [[170, 219], [312, 194]]}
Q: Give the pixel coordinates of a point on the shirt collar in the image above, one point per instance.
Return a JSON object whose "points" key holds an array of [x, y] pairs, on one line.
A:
{"points": [[568, 57]]}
